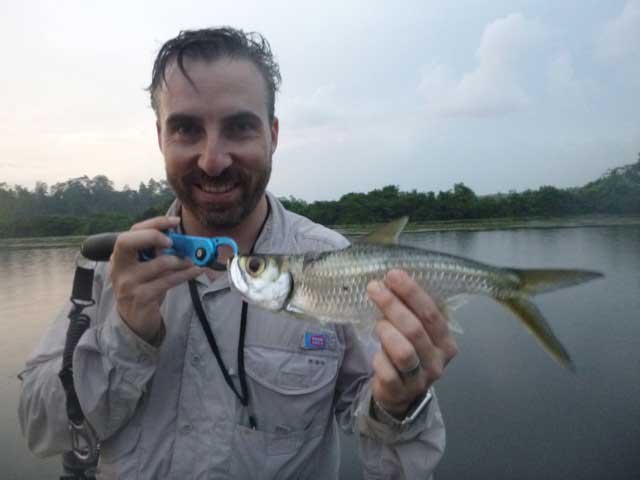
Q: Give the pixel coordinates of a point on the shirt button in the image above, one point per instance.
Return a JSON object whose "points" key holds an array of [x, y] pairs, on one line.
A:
{"points": [[195, 360], [187, 429]]}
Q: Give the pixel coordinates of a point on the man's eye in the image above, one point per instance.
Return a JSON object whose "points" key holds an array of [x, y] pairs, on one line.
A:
{"points": [[186, 129], [240, 128]]}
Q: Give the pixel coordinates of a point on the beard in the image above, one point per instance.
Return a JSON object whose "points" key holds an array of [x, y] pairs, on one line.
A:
{"points": [[251, 183]]}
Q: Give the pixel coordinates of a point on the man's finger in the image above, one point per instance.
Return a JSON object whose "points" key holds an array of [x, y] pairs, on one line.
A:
{"points": [[158, 287], [130, 243], [406, 322], [414, 373], [160, 266], [420, 303], [157, 223], [402, 353], [140, 276], [386, 384]]}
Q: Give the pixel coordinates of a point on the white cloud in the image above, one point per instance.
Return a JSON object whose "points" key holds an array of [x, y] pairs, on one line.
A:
{"points": [[492, 88], [620, 36]]}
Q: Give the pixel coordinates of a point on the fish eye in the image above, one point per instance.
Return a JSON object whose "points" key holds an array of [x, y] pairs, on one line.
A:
{"points": [[255, 266]]}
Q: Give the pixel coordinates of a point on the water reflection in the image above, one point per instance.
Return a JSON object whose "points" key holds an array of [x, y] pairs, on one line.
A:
{"points": [[505, 400], [511, 411], [34, 284]]}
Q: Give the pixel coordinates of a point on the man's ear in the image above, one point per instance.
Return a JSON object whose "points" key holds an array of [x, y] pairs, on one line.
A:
{"points": [[275, 126], [159, 133]]}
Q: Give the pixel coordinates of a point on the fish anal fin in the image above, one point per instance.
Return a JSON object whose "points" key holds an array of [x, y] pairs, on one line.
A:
{"points": [[532, 318], [387, 234], [454, 325], [450, 306]]}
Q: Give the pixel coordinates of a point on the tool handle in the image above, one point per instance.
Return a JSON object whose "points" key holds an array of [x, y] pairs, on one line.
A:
{"points": [[99, 247]]}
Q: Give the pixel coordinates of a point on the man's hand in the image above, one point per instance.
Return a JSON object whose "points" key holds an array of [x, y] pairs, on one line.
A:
{"points": [[412, 333], [140, 287]]}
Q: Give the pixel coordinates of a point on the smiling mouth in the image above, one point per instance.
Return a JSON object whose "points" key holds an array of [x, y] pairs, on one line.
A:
{"points": [[207, 188]]}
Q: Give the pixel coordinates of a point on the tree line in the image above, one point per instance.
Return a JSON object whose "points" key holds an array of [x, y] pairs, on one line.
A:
{"points": [[79, 206], [616, 192], [83, 206]]}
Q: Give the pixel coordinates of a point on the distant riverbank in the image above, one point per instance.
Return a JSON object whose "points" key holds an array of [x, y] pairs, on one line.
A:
{"points": [[41, 242], [504, 224], [421, 227]]}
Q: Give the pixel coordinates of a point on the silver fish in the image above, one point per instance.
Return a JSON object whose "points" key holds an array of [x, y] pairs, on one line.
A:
{"points": [[331, 286]]}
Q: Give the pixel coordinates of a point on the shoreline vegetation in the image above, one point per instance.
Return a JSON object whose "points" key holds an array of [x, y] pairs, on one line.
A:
{"points": [[66, 212], [355, 230], [487, 224]]}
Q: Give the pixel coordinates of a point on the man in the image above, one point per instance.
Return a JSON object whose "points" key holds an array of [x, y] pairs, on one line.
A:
{"points": [[254, 400]]}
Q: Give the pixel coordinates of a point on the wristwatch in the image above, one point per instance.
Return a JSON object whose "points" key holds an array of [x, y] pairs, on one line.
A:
{"points": [[415, 410]]}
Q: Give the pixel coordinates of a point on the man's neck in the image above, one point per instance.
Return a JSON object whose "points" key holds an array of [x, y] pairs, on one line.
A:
{"points": [[245, 233]]}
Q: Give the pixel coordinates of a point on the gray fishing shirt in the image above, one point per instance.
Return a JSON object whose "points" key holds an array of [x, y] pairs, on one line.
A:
{"points": [[167, 412]]}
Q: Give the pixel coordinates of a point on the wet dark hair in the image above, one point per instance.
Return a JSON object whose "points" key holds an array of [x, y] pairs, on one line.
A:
{"points": [[211, 44]]}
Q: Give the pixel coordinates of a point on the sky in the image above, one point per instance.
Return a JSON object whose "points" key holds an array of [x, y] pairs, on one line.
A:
{"points": [[500, 95]]}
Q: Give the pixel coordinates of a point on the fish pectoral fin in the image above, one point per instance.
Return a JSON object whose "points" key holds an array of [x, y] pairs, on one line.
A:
{"points": [[387, 234], [364, 329], [295, 311], [532, 318]]}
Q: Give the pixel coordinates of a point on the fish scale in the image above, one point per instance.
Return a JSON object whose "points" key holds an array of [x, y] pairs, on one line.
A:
{"points": [[332, 287]]}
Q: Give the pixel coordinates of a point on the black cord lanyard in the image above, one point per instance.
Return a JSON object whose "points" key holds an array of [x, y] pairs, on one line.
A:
{"points": [[243, 394]]}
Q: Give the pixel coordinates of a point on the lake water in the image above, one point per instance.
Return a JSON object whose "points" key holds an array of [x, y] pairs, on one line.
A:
{"points": [[510, 411]]}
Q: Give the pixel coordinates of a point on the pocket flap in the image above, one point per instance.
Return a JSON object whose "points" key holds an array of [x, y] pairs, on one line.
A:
{"points": [[290, 373]]}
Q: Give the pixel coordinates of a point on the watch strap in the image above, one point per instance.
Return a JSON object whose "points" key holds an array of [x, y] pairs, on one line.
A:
{"points": [[414, 411]]}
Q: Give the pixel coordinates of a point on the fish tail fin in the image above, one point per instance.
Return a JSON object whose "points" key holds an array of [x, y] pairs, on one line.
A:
{"points": [[535, 281], [532, 318]]}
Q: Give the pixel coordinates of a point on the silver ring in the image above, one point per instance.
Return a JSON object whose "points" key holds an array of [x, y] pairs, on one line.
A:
{"points": [[408, 373]]}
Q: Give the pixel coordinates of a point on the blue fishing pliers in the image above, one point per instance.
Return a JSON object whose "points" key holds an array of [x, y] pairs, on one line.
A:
{"points": [[202, 251]]}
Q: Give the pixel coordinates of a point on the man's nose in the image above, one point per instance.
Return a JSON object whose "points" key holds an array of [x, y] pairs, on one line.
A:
{"points": [[215, 157]]}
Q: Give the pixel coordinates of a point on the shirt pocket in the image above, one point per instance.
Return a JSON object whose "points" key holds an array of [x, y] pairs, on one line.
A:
{"points": [[291, 391]]}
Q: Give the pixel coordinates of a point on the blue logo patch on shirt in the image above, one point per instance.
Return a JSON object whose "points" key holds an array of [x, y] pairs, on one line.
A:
{"points": [[318, 341], [315, 341]]}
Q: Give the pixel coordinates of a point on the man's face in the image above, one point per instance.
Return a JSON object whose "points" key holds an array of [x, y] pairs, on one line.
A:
{"points": [[216, 138]]}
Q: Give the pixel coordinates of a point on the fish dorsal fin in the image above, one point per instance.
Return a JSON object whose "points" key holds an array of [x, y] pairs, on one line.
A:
{"points": [[387, 234]]}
